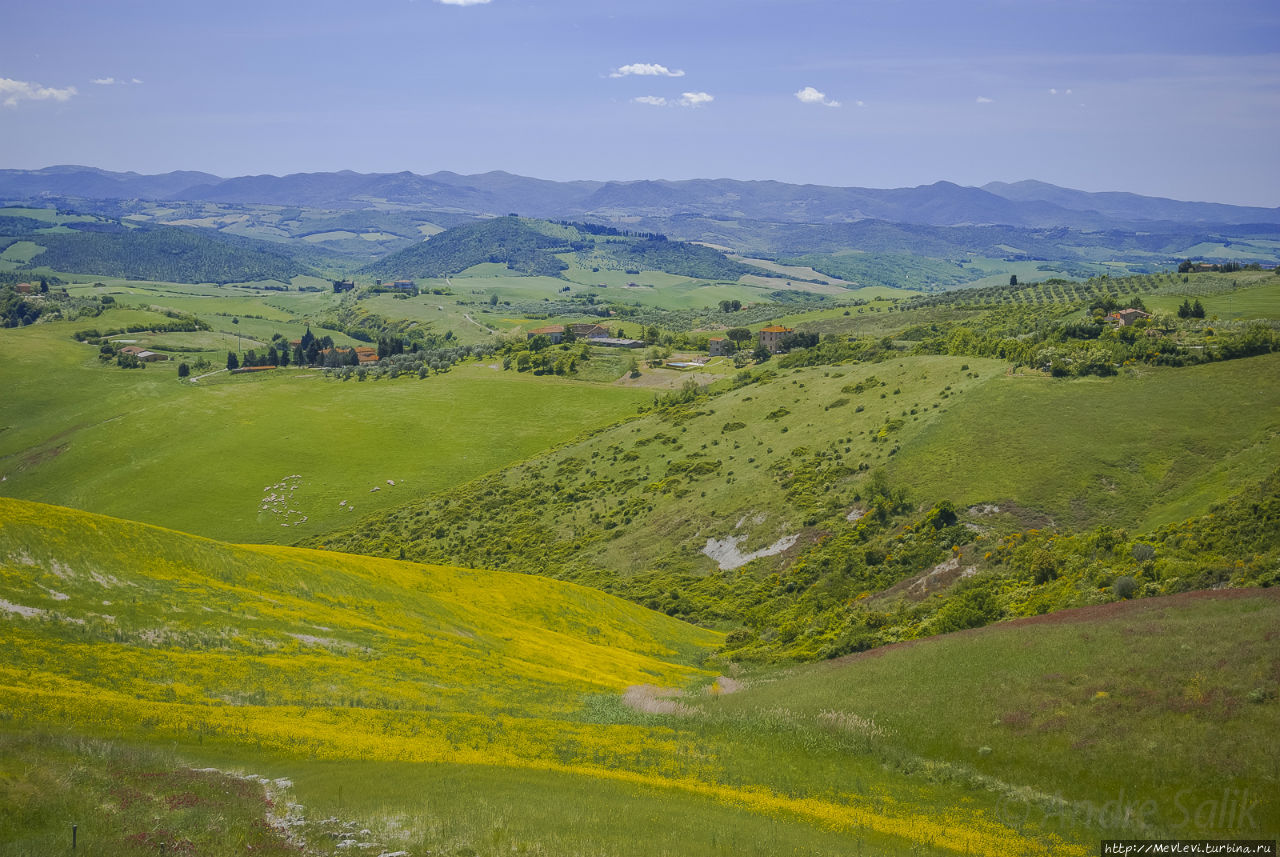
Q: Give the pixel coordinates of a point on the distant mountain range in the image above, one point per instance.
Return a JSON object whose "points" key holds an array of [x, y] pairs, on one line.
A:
{"points": [[1030, 204]]}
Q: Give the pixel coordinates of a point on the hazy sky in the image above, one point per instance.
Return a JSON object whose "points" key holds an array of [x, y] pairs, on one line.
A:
{"points": [[1169, 97]]}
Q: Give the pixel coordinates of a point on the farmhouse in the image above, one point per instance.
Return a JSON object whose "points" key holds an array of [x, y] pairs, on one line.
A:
{"points": [[26, 288], [1126, 317], [366, 354], [589, 331], [404, 286], [554, 332], [719, 346], [143, 354], [771, 337]]}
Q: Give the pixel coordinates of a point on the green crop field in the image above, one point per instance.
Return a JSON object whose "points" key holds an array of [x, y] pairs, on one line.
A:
{"points": [[207, 457]]}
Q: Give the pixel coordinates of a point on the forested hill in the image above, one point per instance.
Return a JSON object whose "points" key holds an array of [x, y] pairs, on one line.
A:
{"points": [[536, 247], [172, 254]]}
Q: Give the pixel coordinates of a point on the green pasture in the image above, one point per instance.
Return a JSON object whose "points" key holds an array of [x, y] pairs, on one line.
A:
{"points": [[1257, 297], [617, 278], [49, 215], [770, 461], [1163, 703], [141, 444], [649, 493], [1141, 449], [651, 288], [1242, 250], [845, 319], [440, 313], [18, 254]]}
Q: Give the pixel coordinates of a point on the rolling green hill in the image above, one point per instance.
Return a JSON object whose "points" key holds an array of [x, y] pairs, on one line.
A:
{"points": [[815, 509], [1169, 702], [110, 248], [789, 456], [535, 247], [77, 432], [446, 710]]}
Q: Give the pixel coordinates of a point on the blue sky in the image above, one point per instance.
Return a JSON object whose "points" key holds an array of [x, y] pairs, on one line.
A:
{"points": [[1168, 98]]}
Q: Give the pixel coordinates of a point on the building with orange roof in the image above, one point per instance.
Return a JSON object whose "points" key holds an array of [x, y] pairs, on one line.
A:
{"points": [[554, 332]]}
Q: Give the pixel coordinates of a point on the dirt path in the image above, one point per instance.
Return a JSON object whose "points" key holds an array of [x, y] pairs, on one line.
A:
{"points": [[206, 375], [468, 317]]}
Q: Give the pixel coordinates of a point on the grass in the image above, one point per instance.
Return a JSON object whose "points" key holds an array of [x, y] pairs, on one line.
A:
{"points": [[439, 313], [1128, 703], [648, 494], [18, 254], [112, 799], [773, 460], [1138, 450], [82, 434], [1258, 297], [454, 706]]}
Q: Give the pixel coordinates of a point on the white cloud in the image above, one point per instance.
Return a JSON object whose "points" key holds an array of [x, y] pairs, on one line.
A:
{"points": [[982, 99], [652, 100], [13, 91], [695, 99], [647, 68], [462, 2], [105, 81], [135, 80], [860, 103], [809, 95], [1053, 91]]}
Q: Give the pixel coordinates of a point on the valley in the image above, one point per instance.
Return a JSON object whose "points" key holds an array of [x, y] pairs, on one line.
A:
{"points": [[370, 524]]}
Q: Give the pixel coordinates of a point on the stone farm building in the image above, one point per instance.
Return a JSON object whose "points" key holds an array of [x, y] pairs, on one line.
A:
{"points": [[719, 346], [771, 337], [1126, 317], [589, 331]]}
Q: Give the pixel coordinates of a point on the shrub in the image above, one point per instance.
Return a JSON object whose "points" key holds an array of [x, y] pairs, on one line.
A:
{"points": [[1124, 587]]}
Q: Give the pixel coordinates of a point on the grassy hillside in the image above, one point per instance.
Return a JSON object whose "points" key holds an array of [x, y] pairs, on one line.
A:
{"points": [[216, 457], [435, 695], [789, 456], [1139, 450], [1154, 707]]}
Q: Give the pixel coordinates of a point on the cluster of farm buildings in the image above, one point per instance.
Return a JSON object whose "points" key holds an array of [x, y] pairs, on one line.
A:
{"points": [[597, 334], [770, 337]]}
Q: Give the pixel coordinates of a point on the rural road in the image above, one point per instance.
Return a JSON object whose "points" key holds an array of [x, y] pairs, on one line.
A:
{"points": [[206, 375], [468, 317]]}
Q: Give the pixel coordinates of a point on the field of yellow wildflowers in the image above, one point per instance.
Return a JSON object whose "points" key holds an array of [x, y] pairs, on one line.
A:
{"points": [[497, 696]]}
